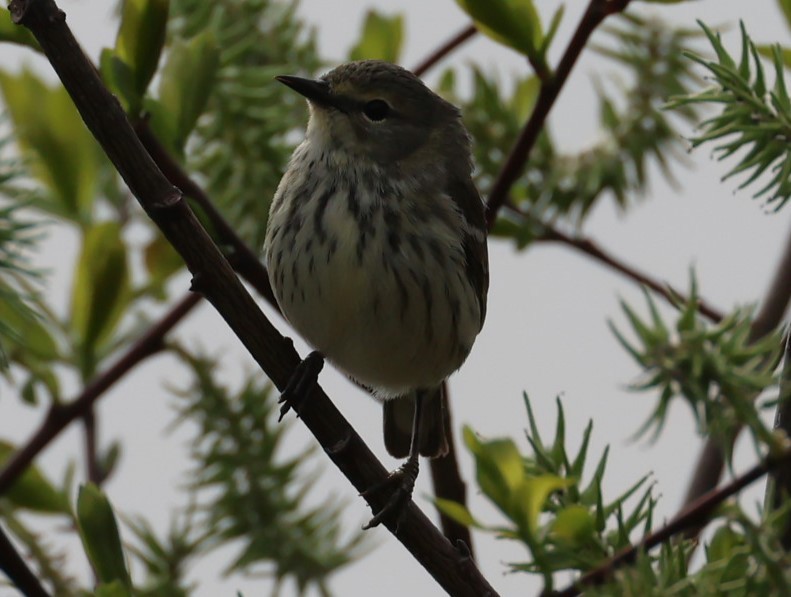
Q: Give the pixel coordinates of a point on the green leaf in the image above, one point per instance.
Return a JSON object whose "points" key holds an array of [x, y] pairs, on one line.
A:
{"points": [[500, 470], [109, 459], [458, 512], [161, 261], [447, 82], [505, 228], [140, 39], [30, 336], [553, 28], [32, 490], [28, 392], [722, 544], [524, 98], [574, 525], [501, 475], [48, 128], [380, 39], [120, 79], [514, 23], [16, 34], [113, 589], [785, 6], [99, 533], [187, 80], [530, 497], [729, 549], [101, 289]]}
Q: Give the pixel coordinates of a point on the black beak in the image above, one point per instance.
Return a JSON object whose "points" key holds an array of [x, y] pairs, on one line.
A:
{"points": [[316, 91]]}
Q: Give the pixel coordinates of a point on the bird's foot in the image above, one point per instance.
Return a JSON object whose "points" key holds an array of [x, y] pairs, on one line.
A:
{"points": [[301, 384], [398, 485]]}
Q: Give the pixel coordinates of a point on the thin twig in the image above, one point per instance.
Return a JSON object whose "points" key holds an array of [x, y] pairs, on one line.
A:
{"points": [[91, 450], [696, 514], [17, 570], [449, 485], [214, 278], [60, 415], [441, 52], [597, 11], [592, 249]]}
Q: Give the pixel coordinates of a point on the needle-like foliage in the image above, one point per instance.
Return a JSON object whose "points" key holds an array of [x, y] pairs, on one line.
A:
{"points": [[754, 121], [553, 500], [252, 495], [718, 369], [18, 236]]}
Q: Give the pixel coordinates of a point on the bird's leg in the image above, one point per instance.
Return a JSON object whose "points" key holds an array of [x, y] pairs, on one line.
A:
{"points": [[400, 482], [301, 384]]}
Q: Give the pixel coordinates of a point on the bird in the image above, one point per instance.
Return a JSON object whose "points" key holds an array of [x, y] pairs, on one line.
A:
{"points": [[376, 250]]}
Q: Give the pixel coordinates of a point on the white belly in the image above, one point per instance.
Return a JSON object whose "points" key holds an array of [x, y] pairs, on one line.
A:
{"points": [[393, 315]]}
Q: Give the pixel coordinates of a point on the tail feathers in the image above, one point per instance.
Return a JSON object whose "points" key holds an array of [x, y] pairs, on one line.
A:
{"points": [[398, 421], [398, 414]]}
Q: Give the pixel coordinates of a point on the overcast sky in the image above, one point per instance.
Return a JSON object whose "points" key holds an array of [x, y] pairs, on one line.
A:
{"points": [[546, 330]]}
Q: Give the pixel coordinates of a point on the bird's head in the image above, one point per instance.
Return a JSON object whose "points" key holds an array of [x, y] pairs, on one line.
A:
{"points": [[381, 111]]}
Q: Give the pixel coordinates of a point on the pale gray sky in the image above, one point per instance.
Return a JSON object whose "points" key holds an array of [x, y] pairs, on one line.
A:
{"points": [[546, 331]]}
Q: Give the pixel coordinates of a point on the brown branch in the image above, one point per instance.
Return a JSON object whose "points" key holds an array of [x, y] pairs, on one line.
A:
{"points": [[711, 460], [594, 251], [448, 484], [17, 570], [441, 52], [94, 474], [214, 278], [597, 11], [60, 415], [696, 514]]}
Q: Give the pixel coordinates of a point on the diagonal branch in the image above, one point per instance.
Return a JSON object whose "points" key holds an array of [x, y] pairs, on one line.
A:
{"points": [[593, 250], [597, 11], [441, 52], [17, 570], [214, 278]]}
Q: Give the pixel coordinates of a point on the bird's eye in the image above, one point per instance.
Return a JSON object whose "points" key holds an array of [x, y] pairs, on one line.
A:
{"points": [[376, 110]]}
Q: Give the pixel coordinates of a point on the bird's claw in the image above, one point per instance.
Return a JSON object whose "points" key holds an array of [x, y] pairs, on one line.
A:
{"points": [[301, 384], [399, 484]]}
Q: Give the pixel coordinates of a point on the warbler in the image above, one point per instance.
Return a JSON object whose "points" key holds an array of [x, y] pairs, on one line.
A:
{"points": [[376, 248]]}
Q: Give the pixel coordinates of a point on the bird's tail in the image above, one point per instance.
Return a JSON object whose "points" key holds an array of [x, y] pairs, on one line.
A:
{"points": [[432, 437]]}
